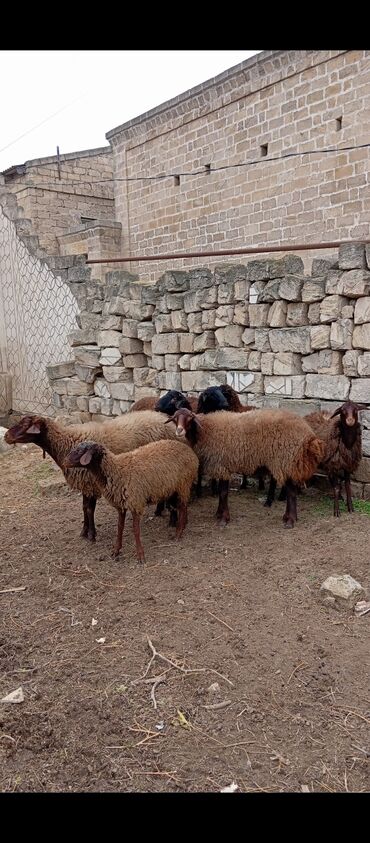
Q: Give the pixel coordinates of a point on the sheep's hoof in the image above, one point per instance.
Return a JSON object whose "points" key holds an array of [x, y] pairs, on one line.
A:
{"points": [[115, 553], [268, 503], [223, 520], [91, 537], [141, 559], [83, 533], [289, 524]]}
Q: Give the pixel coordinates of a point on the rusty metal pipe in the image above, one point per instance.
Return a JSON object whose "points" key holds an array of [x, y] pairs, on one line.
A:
{"points": [[256, 250]]}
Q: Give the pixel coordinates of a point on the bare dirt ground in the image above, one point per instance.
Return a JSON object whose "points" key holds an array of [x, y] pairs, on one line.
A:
{"points": [[239, 607]]}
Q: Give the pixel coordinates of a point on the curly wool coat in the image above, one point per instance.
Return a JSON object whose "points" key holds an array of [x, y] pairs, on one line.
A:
{"points": [[146, 475], [121, 434], [230, 443], [338, 456]]}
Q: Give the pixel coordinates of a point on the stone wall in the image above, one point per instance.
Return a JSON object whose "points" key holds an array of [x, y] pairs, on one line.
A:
{"points": [[52, 205], [279, 337], [265, 114]]}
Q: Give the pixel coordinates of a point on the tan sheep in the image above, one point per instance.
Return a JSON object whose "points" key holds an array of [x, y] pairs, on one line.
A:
{"points": [[231, 443], [146, 475], [121, 434]]}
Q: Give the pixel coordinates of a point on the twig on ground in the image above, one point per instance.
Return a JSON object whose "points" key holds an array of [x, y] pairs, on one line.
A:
{"points": [[172, 664], [216, 706], [360, 749], [10, 590], [299, 667], [220, 621]]}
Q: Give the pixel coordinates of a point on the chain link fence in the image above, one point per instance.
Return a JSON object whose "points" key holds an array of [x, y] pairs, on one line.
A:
{"points": [[37, 312]]}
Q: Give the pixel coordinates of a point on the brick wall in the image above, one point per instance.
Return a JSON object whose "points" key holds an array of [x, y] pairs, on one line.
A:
{"points": [[291, 101], [55, 206]]}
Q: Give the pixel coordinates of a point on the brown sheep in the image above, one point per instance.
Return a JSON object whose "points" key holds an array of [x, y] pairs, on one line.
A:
{"points": [[121, 434], [224, 397], [342, 435], [230, 443], [146, 403], [343, 449], [146, 475]]}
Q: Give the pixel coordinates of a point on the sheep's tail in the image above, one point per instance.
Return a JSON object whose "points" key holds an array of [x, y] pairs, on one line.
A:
{"points": [[307, 459]]}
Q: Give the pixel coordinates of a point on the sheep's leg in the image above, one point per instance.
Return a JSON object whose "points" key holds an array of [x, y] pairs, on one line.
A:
{"points": [[172, 505], [159, 508], [182, 519], [261, 480], [271, 492], [283, 494], [85, 527], [335, 484], [290, 514], [120, 528], [199, 483], [214, 488], [347, 483], [245, 482], [136, 528], [90, 510], [223, 514]]}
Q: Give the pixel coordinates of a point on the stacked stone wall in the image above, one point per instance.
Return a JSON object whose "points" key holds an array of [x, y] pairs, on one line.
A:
{"points": [[279, 337]]}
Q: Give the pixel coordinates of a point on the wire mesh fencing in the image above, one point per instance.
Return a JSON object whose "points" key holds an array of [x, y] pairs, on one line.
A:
{"points": [[37, 312]]}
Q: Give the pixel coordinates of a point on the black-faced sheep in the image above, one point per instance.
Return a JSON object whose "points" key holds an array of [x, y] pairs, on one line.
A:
{"points": [[231, 443], [173, 400], [146, 475], [170, 402], [211, 400], [121, 434], [224, 397]]}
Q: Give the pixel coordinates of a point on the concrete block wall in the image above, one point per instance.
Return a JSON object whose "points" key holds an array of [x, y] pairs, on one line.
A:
{"points": [[279, 337]]}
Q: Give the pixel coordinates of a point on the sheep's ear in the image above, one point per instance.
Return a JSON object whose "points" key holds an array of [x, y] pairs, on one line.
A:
{"points": [[170, 419], [86, 458], [336, 413], [197, 422], [35, 428]]}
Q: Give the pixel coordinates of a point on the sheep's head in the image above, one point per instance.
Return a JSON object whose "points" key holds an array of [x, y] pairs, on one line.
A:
{"points": [[172, 401], [84, 455], [231, 396], [212, 400], [28, 429], [348, 413], [184, 420]]}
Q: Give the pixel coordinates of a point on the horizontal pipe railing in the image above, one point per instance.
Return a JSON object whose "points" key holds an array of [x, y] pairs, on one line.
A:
{"points": [[256, 250]]}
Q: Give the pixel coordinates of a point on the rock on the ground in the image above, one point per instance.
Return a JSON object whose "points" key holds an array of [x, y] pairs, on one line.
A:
{"points": [[345, 590], [3, 445]]}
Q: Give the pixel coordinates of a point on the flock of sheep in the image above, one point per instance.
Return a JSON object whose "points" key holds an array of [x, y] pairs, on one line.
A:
{"points": [[159, 449]]}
